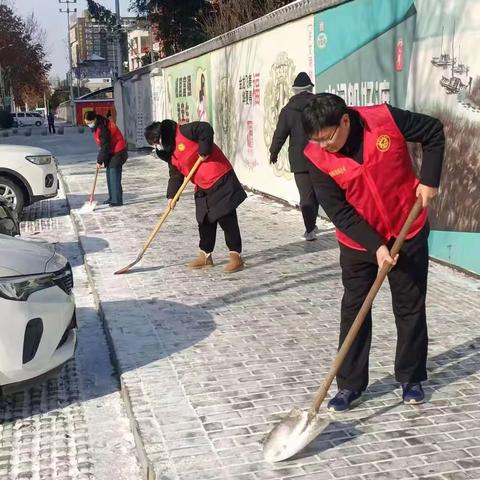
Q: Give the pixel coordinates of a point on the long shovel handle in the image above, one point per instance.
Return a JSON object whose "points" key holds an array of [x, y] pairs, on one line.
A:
{"points": [[162, 219], [168, 209], [365, 308], [92, 193]]}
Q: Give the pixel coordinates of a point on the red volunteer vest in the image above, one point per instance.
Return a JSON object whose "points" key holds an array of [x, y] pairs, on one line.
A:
{"points": [[382, 189], [117, 142], [185, 156]]}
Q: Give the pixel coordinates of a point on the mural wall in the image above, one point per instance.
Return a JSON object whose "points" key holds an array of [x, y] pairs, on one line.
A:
{"points": [[253, 80], [415, 54]]}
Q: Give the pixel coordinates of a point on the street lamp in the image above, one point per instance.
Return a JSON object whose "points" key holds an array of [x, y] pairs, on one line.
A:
{"points": [[68, 11]]}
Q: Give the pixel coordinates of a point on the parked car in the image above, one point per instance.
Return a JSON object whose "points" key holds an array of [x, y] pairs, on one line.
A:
{"points": [[27, 175], [39, 331], [8, 220], [28, 119]]}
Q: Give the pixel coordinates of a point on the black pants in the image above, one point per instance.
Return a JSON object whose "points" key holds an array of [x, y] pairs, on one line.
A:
{"points": [[114, 184], [408, 286], [229, 224], [308, 200], [51, 128]]}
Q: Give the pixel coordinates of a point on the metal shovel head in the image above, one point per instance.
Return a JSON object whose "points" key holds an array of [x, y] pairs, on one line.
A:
{"points": [[292, 434], [88, 207], [128, 267]]}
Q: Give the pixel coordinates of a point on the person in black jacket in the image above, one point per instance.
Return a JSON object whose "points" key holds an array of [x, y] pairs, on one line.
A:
{"points": [[290, 125], [218, 192]]}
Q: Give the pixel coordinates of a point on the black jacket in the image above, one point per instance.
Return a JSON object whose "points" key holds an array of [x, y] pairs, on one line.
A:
{"points": [[290, 124], [224, 196]]}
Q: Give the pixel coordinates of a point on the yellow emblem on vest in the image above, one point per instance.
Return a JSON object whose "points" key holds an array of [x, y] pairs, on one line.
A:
{"points": [[181, 147], [337, 171], [383, 143]]}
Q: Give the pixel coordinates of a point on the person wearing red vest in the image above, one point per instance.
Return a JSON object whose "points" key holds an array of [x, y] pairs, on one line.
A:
{"points": [[365, 181], [112, 155], [218, 191]]}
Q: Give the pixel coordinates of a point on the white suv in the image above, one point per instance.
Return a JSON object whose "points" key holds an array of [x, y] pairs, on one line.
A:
{"points": [[27, 174], [27, 119], [38, 331]]}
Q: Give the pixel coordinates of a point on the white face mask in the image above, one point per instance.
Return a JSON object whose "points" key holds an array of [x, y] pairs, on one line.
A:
{"points": [[91, 125], [158, 146]]}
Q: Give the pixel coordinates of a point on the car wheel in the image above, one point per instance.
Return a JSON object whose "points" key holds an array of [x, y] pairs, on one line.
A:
{"points": [[13, 194], [20, 123], [38, 124]]}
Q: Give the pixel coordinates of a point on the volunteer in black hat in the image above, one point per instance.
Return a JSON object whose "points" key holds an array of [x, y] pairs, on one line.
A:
{"points": [[290, 125]]}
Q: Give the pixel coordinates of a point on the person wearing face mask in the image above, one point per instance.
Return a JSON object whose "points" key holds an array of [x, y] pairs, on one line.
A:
{"points": [[112, 155], [218, 192], [364, 179]]}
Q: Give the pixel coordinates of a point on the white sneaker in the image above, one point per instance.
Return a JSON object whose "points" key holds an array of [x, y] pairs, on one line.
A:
{"points": [[309, 236]]}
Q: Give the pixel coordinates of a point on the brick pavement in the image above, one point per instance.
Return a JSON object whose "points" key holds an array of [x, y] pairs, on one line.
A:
{"points": [[209, 361], [73, 426]]}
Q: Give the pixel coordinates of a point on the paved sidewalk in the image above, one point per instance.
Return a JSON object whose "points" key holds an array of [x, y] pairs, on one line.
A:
{"points": [[73, 426], [210, 361]]}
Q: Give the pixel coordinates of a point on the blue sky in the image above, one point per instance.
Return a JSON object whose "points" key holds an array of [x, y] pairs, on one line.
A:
{"points": [[55, 23]]}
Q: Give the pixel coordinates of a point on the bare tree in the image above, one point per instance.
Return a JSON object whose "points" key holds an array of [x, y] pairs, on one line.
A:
{"points": [[230, 14]]}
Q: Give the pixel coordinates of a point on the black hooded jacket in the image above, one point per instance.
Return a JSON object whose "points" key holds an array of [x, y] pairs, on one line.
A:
{"points": [[290, 124]]}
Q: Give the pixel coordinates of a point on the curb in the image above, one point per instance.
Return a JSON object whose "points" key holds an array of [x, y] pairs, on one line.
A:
{"points": [[145, 463]]}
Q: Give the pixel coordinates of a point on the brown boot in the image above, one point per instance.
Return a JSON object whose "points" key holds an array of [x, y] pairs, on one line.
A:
{"points": [[203, 260], [235, 263]]}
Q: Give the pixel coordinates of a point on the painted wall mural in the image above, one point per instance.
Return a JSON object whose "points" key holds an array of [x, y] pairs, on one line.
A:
{"points": [[189, 91], [415, 54], [253, 80]]}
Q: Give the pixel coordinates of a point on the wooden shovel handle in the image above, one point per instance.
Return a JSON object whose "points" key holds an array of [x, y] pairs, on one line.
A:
{"points": [[92, 193], [365, 308], [168, 209]]}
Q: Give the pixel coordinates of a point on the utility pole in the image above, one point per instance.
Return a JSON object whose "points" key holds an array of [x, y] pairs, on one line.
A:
{"points": [[68, 11], [118, 37]]}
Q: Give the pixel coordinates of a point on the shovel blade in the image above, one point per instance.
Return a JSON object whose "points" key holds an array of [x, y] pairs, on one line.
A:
{"points": [[128, 267], [292, 434]]}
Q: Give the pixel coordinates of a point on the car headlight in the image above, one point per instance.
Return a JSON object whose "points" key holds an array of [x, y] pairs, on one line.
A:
{"points": [[20, 288], [39, 159]]}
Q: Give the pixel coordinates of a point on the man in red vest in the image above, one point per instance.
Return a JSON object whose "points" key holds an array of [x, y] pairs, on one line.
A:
{"points": [[112, 155], [364, 180], [218, 191]]}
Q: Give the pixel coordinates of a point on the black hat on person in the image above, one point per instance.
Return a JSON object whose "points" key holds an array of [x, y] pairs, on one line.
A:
{"points": [[302, 80]]}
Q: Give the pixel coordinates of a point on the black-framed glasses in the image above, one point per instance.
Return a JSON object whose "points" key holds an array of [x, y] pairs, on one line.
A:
{"points": [[329, 139]]}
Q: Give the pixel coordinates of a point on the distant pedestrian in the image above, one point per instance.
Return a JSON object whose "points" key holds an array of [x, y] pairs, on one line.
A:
{"points": [[290, 125], [112, 155], [109, 115], [51, 122]]}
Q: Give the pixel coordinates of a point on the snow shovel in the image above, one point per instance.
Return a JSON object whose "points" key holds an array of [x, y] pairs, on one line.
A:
{"points": [[162, 219], [299, 428], [91, 204]]}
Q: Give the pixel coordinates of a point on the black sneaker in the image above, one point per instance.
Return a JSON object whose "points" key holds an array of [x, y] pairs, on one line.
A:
{"points": [[107, 202], [343, 400], [115, 204], [413, 393]]}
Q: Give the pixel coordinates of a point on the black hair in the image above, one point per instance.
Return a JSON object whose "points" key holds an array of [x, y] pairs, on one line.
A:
{"points": [[100, 120], [152, 133], [90, 115], [165, 132], [324, 110]]}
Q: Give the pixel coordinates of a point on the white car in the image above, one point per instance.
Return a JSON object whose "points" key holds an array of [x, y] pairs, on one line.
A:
{"points": [[38, 332], [28, 119], [27, 175]]}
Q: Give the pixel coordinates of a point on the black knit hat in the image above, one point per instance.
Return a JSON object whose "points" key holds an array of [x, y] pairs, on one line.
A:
{"points": [[302, 80]]}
